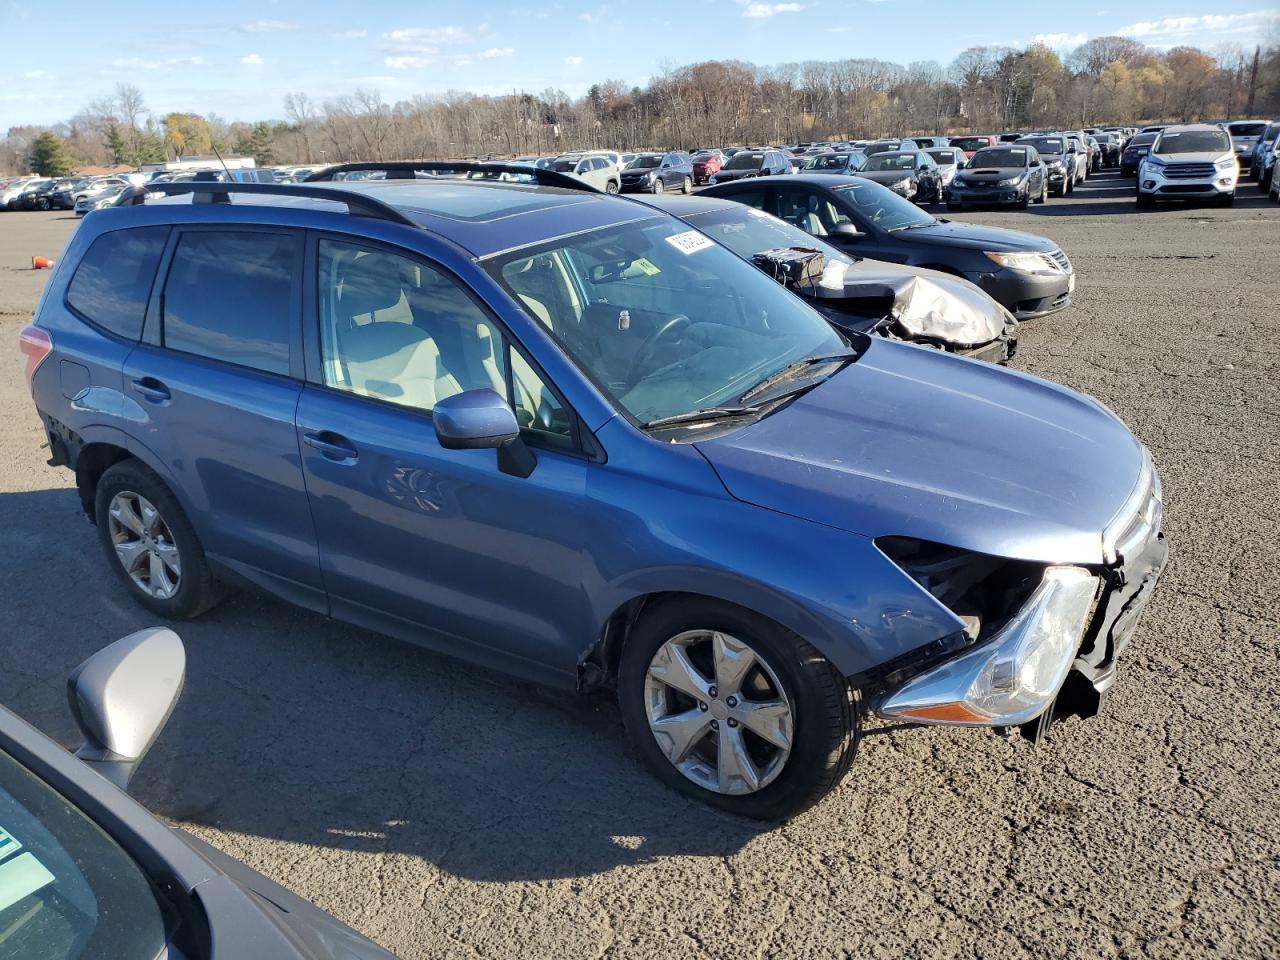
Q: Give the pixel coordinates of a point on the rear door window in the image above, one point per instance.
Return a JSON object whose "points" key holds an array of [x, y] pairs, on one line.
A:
{"points": [[112, 284], [232, 296]]}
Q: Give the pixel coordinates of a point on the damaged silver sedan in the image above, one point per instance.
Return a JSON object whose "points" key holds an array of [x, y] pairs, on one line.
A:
{"points": [[865, 296]]}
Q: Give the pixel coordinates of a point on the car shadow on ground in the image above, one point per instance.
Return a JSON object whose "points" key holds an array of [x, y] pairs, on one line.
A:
{"points": [[296, 728]]}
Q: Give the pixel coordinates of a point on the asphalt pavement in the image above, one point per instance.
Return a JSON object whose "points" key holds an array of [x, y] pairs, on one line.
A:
{"points": [[447, 812]]}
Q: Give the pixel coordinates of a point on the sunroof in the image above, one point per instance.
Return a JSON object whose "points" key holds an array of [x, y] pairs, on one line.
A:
{"points": [[469, 200]]}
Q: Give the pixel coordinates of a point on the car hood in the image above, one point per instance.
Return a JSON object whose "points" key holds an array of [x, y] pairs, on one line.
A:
{"points": [[909, 441], [991, 174], [978, 237], [925, 304], [887, 176], [1208, 156]]}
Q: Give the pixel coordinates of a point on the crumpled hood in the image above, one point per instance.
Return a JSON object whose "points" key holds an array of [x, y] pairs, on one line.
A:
{"points": [[926, 303], [908, 441], [978, 237]]}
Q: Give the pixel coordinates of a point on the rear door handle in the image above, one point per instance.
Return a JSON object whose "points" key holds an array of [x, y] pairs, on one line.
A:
{"points": [[151, 388], [332, 446]]}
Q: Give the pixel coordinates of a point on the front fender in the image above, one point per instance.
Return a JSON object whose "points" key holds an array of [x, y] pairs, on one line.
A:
{"points": [[670, 526]]}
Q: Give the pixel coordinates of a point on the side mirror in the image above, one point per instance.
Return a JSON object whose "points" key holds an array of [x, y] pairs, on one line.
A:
{"points": [[845, 231], [480, 420], [121, 698]]}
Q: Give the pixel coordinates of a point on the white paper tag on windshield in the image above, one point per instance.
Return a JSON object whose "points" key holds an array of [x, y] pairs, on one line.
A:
{"points": [[9, 844], [690, 242], [21, 877]]}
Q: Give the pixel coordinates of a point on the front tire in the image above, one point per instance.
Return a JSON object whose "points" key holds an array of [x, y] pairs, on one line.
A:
{"points": [[700, 680], [611, 187], [687, 186], [658, 186], [1145, 201], [1044, 192], [150, 543]]}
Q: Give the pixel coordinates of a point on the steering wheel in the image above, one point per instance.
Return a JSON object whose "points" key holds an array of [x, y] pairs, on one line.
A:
{"points": [[644, 353]]}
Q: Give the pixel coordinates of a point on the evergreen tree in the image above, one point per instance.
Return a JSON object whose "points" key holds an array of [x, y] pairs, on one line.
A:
{"points": [[49, 156]]}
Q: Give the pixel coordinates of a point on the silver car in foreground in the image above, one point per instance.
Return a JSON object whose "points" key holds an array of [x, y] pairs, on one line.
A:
{"points": [[1192, 161], [85, 872]]}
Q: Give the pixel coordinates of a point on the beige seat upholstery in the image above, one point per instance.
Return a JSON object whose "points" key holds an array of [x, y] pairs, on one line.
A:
{"points": [[397, 362]]}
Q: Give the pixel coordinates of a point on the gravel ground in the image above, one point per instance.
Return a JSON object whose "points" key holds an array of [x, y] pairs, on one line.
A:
{"points": [[449, 813]]}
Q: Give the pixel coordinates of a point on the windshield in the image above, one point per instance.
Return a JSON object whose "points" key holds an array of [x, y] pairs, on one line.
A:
{"points": [[1243, 129], [999, 157], [1142, 140], [1192, 141], [664, 319], [832, 161], [748, 231], [644, 163], [943, 156], [882, 206], [745, 161], [881, 147], [1045, 144], [890, 161], [66, 889], [968, 144]]}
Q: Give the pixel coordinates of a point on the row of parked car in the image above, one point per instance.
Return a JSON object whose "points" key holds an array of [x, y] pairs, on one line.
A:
{"points": [[922, 169]]}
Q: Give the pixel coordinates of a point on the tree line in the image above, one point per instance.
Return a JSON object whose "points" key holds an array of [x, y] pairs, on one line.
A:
{"points": [[1111, 80]]}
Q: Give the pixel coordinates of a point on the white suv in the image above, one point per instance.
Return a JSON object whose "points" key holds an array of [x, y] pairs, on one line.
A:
{"points": [[1192, 161]]}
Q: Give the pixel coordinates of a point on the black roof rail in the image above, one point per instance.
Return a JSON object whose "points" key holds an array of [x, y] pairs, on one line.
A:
{"points": [[406, 170], [358, 204]]}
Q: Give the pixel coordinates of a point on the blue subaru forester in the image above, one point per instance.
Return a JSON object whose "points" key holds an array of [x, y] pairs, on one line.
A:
{"points": [[565, 435]]}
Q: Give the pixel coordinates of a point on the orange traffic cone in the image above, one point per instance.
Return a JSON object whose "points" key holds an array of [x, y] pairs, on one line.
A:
{"points": [[42, 263]]}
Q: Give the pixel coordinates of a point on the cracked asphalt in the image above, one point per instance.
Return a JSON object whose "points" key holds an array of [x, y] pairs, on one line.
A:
{"points": [[447, 812]]}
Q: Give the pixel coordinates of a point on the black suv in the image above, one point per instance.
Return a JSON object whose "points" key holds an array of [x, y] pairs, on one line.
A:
{"points": [[658, 172], [752, 163]]}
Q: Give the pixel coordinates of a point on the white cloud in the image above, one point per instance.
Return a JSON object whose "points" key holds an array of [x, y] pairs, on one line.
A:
{"points": [[760, 10], [594, 16], [136, 63], [424, 40], [574, 61], [1059, 40], [495, 53], [1186, 27], [350, 34], [196, 61], [33, 75], [270, 26], [407, 63], [252, 59]]}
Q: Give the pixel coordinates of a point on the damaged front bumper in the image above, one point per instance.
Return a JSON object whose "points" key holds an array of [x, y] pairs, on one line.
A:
{"points": [[1058, 654]]}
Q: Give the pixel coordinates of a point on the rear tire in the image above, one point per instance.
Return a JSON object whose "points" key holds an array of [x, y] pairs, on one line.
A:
{"points": [[687, 186], [822, 730], [125, 487]]}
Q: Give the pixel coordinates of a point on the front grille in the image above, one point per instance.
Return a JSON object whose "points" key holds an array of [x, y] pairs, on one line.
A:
{"points": [[1186, 188], [1188, 171]]}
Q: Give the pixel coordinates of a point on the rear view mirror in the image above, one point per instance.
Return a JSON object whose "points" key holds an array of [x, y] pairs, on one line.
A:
{"points": [[845, 231], [121, 698], [482, 419]]}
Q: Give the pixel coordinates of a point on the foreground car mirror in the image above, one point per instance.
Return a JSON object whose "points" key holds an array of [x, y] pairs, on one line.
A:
{"points": [[121, 698], [482, 419], [845, 231]]}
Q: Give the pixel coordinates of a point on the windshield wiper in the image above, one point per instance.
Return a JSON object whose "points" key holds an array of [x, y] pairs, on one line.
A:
{"points": [[793, 369], [700, 416], [912, 226]]}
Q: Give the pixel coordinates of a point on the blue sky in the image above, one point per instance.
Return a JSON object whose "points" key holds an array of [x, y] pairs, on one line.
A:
{"points": [[238, 59]]}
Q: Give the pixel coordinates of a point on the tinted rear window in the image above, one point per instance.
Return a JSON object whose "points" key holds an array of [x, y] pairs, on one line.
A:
{"points": [[112, 284], [229, 297]]}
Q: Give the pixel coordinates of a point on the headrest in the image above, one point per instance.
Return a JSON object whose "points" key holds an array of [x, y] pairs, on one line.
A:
{"points": [[374, 281]]}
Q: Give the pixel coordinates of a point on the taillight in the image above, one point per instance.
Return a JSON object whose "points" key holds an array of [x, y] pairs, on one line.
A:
{"points": [[35, 344]]}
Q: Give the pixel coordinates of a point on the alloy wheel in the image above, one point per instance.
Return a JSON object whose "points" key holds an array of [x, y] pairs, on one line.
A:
{"points": [[144, 545], [718, 712]]}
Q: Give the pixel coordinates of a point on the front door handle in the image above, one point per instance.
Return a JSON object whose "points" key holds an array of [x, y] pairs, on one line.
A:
{"points": [[151, 388], [332, 446]]}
